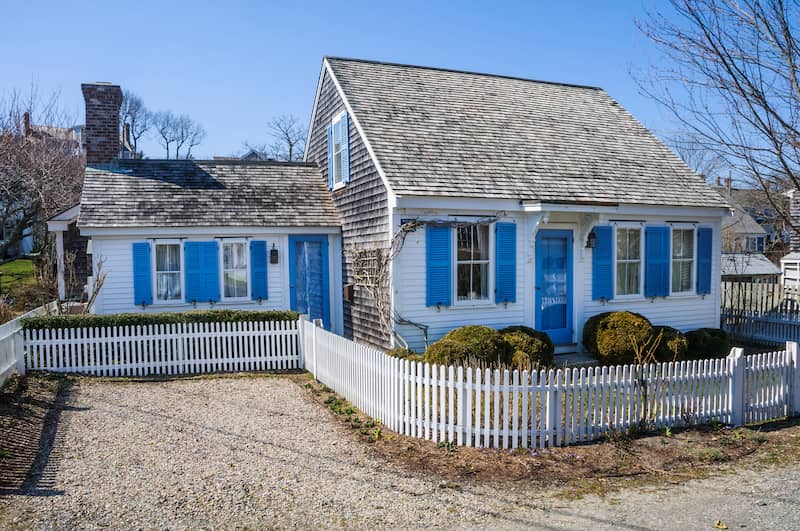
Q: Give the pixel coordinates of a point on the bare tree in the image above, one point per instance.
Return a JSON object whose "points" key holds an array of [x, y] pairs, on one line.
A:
{"points": [[134, 113], [178, 130], [733, 81], [41, 167], [288, 140], [697, 156], [187, 133], [164, 126]]}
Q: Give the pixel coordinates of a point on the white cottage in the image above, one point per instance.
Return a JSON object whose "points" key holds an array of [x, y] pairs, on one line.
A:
{"points": [[509, 201], [173, 235]]}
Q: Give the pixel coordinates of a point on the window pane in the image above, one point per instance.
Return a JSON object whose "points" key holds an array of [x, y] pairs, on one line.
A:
{"points": [[337, 167], [634, 239], [234, 256], [681, 276], [168, 257], [463, 282], [464, 243], [682, 243], [480, 281], [168, 286], [481, 242], [235, 283], [628, 278]]}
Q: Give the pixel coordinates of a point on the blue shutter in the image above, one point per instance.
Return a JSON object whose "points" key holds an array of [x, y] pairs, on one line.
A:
{"points": [[345, 148], [142, 271], [330, 158], [439, 265], [603, 263], [258, 269], [202, 271], [505, 284], [656, 261], [704, 240]]}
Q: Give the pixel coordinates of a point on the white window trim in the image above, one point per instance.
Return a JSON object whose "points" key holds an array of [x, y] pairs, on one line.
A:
{"points": [[334, 122], [692, 281], [490, 300], [154, 280], [221, 258], [640, 294]]}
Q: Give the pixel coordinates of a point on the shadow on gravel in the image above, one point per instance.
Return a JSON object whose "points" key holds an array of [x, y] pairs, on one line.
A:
{"points": [[30, 415]]}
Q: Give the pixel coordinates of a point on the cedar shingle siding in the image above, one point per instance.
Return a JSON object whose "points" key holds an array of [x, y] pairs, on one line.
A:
{"points": [[363, 209]]}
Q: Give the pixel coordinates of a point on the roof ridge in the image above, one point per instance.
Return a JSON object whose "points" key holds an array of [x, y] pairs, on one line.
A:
{"points": [[468, 72], [234, 162]]}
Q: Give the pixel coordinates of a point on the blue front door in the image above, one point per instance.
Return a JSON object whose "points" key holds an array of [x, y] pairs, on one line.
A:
{"points": [[308, 276], [553, 295]]}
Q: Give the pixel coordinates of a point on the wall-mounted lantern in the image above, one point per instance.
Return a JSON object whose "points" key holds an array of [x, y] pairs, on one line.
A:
{"points": [[273, 255], [590, 240]]}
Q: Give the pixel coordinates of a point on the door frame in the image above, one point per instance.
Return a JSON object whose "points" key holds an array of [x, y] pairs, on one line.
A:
{"points": [[569, 233], [323, 239]]}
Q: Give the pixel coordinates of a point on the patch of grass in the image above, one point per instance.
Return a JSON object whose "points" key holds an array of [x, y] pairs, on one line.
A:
{"points": [[16, 274], [709, 455]]}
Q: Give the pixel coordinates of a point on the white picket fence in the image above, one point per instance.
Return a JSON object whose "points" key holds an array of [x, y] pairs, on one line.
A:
{"points": [[510, 409], [11, 348], [465, 406], [166, 349], [769, 328]]}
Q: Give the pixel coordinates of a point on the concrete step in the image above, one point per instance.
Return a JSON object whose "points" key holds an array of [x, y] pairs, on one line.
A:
{"points": [[575, 359]]}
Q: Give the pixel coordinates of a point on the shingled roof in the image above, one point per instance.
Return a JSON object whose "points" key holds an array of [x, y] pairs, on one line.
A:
{"points": [[438, 132], [180, 193]]}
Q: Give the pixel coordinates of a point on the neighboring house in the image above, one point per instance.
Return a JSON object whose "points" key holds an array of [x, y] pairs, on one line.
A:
{"points": [[740, 232], [452, 198], [521, 202], [177, 235], [749, 267]]}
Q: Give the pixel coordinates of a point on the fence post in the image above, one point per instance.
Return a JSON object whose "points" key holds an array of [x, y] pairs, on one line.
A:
{"points": [[301, 361], [19, 352], [736, 386], [317, 323], [551, 407], [794, 355]]}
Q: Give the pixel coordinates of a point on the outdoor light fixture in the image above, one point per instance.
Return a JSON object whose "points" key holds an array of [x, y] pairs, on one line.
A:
{"points": [[273, 255], [590, 240]]}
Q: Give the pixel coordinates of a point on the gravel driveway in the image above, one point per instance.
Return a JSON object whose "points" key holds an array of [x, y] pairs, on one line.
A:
{"points": [[256, 452]]}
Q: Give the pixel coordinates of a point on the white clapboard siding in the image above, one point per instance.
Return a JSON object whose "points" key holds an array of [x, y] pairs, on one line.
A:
{"points": [[165, 349], [508, 409]]}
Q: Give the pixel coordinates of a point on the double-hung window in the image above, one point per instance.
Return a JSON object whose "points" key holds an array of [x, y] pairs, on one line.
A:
{"points": [[682, 260], [168, 272], [629, 261], [337, 151], [472, 263], [234, 270]]}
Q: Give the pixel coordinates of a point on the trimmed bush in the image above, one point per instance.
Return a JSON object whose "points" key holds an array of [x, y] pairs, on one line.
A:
{"points": [[482, 343], [402, 353], [611, 336], [673, 345], [532, 349], [447, 352], [137, 319], [707, 343]]}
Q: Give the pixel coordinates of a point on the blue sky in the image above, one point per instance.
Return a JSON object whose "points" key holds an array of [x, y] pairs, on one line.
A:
{"points": [[233, 65]]}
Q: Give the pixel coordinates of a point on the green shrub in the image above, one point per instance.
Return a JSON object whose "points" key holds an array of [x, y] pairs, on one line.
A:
{"points": [[707, 343], [402, 353], [611, 336], [532, 349], [673, 345], [142, 319], [482, 343], [447, 352]]}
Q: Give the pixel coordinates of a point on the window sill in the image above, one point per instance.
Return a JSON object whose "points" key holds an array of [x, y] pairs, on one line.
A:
{"points": [[476, 304], [626, 299], [338, 186]]}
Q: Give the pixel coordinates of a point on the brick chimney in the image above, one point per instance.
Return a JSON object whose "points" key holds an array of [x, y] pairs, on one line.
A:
{"points": [[101, 134]]}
